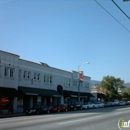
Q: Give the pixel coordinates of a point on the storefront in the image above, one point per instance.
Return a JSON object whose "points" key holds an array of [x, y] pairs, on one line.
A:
{"points": [[37, 96], [70, 96], [7, 99]]}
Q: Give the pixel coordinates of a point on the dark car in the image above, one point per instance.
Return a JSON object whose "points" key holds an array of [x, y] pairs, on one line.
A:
{"points": [[59, 108], [39, 109], [75, 105]]}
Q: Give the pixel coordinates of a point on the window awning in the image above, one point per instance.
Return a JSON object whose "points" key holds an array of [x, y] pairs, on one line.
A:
{"points": [[67, 93], [100, 95], [86, 95], [8, 92], [75, 94], [38, 92]]}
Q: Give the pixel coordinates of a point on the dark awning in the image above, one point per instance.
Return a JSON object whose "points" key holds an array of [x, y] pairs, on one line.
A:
{"points": [[38, 92], [90, 95], [68, 93], [100, 95], [75, 94], [8, 92], [85, 95]]}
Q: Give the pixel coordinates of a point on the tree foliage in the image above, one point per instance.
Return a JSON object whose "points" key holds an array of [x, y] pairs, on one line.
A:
{"points": [[110, 85], [126, 93]]}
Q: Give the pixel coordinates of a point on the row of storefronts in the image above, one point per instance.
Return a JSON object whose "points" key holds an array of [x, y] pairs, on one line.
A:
{"points": [[24, 84], [28, 97]]}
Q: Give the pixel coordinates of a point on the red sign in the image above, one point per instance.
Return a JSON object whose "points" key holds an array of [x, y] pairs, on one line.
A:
{"points": [[81, 76], [3, 100]]}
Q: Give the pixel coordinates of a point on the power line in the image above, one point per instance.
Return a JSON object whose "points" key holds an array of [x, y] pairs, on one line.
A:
{"points": [[121, 9], [113, 16]]}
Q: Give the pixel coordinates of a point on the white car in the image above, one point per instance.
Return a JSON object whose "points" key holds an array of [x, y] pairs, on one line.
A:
{"points": [[99, 104], [96, 105], [121, 103], [88, 105], [112, 103], [116, 102]]}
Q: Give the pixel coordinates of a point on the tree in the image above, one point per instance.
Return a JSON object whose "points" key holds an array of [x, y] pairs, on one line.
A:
{"points": [[126, 93], [110, 85]]}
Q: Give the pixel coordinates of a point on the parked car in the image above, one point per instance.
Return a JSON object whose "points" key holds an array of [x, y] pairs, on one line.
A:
{"points": [[126, 102], [116, 102], [55, 109], [96, 105], [63, 107], [107, 104], [39, 109], [99, 104], [75, 105], [88, 105], [121, 103], [112, 103], [59, 108]]}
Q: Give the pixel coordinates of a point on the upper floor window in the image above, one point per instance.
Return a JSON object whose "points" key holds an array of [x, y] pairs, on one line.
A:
{"points": [[24, 74], [47, 79], [38, 76], [6, 71], [75, 83], [86, 85], [35, 75], [50, 79], [11, 72], [29, 74], [67, 82]]}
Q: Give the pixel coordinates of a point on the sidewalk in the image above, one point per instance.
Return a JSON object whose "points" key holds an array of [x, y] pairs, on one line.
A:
{"points": [[12, 115]]}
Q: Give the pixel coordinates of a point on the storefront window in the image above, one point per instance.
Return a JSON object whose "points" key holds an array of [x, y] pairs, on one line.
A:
{"points": [[38, 100], [5, 103], [20, 102]]}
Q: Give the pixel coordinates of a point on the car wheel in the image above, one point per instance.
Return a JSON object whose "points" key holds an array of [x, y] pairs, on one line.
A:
{"points": [[66, 110], [75, 109], [81, 108]]}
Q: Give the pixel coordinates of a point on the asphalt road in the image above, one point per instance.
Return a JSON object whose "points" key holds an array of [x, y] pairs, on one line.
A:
{"points": [[93, 119]]}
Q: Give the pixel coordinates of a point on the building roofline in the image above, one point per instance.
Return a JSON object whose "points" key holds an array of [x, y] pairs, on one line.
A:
{"points": [[45, 66], [41, 64], [9, 53]]}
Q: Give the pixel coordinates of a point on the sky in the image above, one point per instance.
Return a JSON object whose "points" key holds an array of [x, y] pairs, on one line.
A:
{"points": [[66, 33]]}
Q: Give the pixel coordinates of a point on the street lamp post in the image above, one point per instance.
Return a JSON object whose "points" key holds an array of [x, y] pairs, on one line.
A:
{"points": [[79, 79]]}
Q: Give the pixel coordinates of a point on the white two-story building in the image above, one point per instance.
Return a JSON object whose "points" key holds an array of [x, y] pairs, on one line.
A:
{"points": [[24, 84]]}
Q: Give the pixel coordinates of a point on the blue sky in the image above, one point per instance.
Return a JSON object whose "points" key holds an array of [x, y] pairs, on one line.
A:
{"points": [[66, 33]]}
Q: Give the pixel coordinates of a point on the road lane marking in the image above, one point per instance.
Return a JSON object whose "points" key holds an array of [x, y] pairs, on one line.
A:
{"points": [[79, 120]]}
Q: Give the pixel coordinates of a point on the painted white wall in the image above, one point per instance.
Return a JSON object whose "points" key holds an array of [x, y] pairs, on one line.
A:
{"points": [[11, 61]]}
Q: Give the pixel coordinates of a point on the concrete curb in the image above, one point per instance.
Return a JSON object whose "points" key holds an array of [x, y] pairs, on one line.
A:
{"points": [[13, 115]]}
